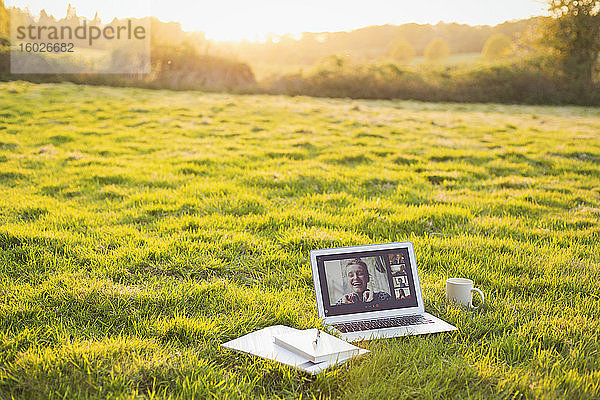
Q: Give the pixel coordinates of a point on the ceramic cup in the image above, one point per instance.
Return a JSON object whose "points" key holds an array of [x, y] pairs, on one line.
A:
{"points": [[459, 291]]}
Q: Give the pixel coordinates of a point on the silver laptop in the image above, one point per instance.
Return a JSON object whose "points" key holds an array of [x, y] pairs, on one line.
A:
{"points": [[369, 292]]}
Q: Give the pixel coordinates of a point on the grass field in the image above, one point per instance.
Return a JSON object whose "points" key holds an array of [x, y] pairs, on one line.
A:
{"points": [[140, 229]]}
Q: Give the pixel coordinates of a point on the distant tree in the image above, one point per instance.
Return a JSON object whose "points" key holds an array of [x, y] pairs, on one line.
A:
{"points": [[45, 19], [528, 41], [400, 50], [4, 21], [437, 51], [71, 12], [574, 34], [497, 46]]}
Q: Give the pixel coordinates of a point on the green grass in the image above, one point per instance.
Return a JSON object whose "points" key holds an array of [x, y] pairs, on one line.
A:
{"points": [[141, 229]]}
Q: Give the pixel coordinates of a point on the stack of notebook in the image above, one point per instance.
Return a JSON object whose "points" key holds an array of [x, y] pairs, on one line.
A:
{"points": [[308, 350]]}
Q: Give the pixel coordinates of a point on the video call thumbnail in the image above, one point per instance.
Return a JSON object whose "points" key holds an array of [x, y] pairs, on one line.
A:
{"points": [[365, 281]]}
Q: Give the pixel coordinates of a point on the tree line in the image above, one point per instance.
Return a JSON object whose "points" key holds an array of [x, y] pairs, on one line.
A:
{"points": [[550, 59], [372, 42], [179, 60]]}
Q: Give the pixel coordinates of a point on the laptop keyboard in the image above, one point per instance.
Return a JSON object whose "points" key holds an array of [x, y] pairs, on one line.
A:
{"points": [[369, 324]]}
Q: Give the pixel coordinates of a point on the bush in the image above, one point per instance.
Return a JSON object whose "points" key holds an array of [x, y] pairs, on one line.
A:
{"points": [[437, 51], [496, 47], [171, 68], [530, 81], [400, 50]]}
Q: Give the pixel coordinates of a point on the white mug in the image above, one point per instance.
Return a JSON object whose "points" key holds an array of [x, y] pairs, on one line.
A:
{"points": [[459, 291]]}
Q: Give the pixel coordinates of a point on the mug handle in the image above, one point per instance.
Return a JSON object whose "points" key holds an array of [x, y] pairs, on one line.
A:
{"points": [[481, 295]]}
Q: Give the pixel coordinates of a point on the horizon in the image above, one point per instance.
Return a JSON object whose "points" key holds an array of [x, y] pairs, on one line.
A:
{"points": [[265, 19]]}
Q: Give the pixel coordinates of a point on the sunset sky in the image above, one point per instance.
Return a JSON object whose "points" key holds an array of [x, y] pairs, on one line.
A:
{"points": [[253, 20]]}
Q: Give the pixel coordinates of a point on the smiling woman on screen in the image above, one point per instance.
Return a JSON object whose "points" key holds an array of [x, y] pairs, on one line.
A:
{"points": [[356, 275]]}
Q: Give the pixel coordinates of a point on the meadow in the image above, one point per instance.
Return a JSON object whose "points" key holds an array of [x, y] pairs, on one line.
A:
{"points": [[141, 229]]}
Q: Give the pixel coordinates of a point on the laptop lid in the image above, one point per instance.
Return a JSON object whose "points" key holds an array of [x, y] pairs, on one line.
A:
{"points": [[362, 282]]}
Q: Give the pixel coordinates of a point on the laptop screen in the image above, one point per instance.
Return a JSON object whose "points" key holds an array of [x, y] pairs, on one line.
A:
{"points": [[366, 281]]}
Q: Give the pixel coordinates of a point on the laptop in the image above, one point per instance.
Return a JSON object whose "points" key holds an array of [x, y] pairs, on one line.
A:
{"points": [[370, 292]]}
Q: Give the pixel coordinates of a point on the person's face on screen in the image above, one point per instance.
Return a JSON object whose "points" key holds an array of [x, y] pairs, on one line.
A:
{"points": [[357, 277]]}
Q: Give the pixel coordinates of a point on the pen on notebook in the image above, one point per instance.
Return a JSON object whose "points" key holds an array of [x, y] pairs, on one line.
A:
{"points": [[316, 341]]}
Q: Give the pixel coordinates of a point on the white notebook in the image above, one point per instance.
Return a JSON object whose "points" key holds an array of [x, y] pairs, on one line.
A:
{"points": [[260, 343], [326, 348]]}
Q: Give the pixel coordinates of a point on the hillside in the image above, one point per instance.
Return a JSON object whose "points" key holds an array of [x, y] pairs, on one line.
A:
{"points": [[371, 42]]}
